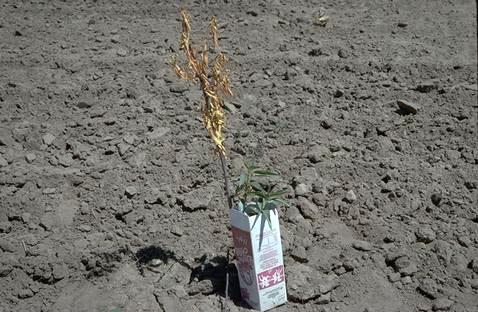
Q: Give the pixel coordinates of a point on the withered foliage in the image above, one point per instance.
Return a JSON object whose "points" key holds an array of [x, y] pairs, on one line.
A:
{"points": [[213, 78]]}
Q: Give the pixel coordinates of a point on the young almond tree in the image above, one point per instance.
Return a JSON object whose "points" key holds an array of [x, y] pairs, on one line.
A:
{"points": [[213, 80]]}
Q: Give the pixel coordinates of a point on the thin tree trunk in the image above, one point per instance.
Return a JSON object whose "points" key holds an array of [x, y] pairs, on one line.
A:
{"points": [[226, 180], [225, 306]]}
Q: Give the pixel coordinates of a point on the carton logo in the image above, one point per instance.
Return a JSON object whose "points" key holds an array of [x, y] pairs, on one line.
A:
{"points": [[271, 277], [243, 250]]}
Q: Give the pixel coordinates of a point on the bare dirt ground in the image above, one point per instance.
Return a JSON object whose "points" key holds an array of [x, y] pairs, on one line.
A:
{"points": [[111, 198]]}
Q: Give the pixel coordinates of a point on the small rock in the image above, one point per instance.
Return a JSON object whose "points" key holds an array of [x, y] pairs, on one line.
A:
{"points": [[130, 191], [315, 52], [409, 270], [302, 189], [327, 285], [167, 302], [340, 271], [65, 160], [406, 280], [460, 262], [350, 197], [326, 123], [30, 157], [5, 227], [443, 251], [84, 104], [428, 288], [48, 139], [425, 235], [197, 199], [309, 209], [402, 24], [158, 133], [471, 185], [115, 39], [25, 293], [382, 131], [47, 221], [178, 88], [407, 107], [362, 245], [3, 162], [123, 148], [59, 271], [424, 307], [474, 265], [338, 93], [302, 282], [109, 121], [230, 107], [121, 52], [436, 198], [176, 230], [442, 304], [155, 262], [350, 265], [394, 277], [84, 228], [474, 283], [324, 299], [7, 246], [453, 155], [204, 287], [299, 253], [401, 263], [317, 153], [49, 191], [426, 86], [129, 139], [343, 53], [293, 214], [26, 217], [6, 266], [464, 241]]}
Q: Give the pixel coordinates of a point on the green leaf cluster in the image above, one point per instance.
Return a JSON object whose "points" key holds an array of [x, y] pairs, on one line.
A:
{"points": [[255, 195]]}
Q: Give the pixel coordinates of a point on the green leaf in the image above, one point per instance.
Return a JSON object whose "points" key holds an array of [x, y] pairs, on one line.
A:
{"points": [[274, 195], [250, 167], [263, 173], [255, 220], [278, 201], [251, 209], [240, 205], [267, 214], [242, 179], [257, 186]]}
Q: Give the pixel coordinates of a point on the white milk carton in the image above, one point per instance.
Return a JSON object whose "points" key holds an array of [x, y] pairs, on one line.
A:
{"points": [[258, 250]]}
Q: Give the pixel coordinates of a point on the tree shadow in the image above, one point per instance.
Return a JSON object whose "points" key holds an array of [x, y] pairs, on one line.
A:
{"points": [[147, 254], [214, 269], [144, 256], [209, 267]]}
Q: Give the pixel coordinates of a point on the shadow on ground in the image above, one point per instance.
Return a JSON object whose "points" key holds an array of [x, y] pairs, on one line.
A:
{"points": [[214, 269], [211, 268]]}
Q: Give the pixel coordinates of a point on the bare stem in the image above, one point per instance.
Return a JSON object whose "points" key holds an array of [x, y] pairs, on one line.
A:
{"points": [[226, 180], [229, 202]]}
